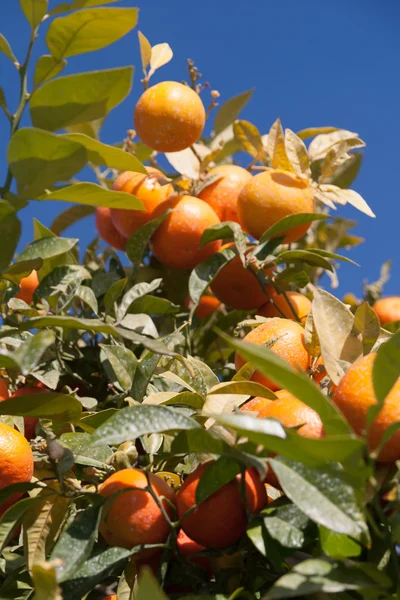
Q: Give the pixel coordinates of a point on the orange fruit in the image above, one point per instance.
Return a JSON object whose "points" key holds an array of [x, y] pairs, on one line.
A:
{"points": [[29, 422], [290, 411], [107, 230], [355, 394], [289, 345], [16, 462], [4, 394], [113, 597], [278, 306], [388, 309], [222, 195], [238, 286], [270, 196], [187, 547], [28, 286], [169, 117], [134, 517], [221, 519], [206, 307], [176, 241], [148, 190]]}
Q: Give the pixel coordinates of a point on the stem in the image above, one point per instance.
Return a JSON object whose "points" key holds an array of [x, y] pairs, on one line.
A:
{"points": [[23, 101]]}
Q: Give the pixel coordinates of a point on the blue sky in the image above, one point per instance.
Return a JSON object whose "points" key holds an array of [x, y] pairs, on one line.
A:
{"points": [[312, 63]]}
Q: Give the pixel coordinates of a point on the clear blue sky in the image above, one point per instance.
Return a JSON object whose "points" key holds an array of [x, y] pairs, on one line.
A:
{"points": [[311, 62]]}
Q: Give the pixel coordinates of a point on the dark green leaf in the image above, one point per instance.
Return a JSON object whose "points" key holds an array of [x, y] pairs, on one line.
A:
{"points": [[153, 305], [34, 11], [113, 294], [70, 216], [30, 352], [332, 255], [138, 241], [11, 518], [286, 524], [119, 363], [218, 474], [303, 256], [130, 423], [79, 98], [59, 279], [10, 231], [385, 372], [137, 291], [226, 230], [46, 405], [47, 248], [204, 273], [280, 227], [228, 112], [46, 68]]}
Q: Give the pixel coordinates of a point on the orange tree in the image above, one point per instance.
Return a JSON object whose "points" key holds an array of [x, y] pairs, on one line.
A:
{"points": [[140, 477]]}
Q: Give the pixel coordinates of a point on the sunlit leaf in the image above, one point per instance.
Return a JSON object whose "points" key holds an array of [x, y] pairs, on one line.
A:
{"points": [[249, 138], [145, 51], [46, 68], [119, 363], [185, 162], [5, 49], [34, 11], [229, 111], [276, 148], [297, 153], [160, 55], [94, 195], [45, 581]]}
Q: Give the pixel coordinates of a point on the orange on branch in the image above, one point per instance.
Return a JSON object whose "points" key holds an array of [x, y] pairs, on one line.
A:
{"points": [[238, 286], [388, 309], [355, 394], [269, 197], [169, 117], [107, 230], [221, 519], [222, 195], [297, 308], [287, 341], [134, 518], [16, 462], [4, 393], [28, 286], [176, 243], [148, 189], [206, 307]]}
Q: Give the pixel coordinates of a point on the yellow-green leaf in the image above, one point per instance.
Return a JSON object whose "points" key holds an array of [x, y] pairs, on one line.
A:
{"points": [[322, 143], [313, 131], [5, 48], [336, 153], [45, 581], [46, 68], [297, 153], [34, 11], [161, 54], [145, 51], [276, 148], [249, 138], [94, 195]]}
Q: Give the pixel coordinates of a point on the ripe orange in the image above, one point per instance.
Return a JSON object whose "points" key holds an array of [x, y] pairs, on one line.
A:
{"points": [[28, 286], [16, 462], [206, 307], [277, 306], [169, 117], [388, 309], [176, 241], [29, 422], [289, 345], [222, 195], [4, 394], [270, 196], [187, 547], [291, 411], [355, 394], [148, 190], [221, 519], [238, 286], [134, 517], [107, 230]]}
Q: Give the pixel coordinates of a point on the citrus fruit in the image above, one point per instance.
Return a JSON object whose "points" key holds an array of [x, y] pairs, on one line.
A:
{"points": [[4, 394], [355, 394], [290, 411], [169, 117], [28, 286], [148, 189], [221, 519], [270, 196], [176, 241], [222, 194], [187, 547], [297, 308], [287, 341], [206, 307], [134, 517], [388, 309], [238, 286], [107, 230], [16, 461]]}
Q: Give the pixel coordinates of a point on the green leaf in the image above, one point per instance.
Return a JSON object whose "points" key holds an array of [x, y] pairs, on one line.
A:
{"points": [[136, 291], [45, 581], [34, 11], [153, 305], [46, 68], [94, 195], [315, 575], [113, 294], [39, 159], [226, 230], [218, 474], [108, 156], [229, 111], [250, 388], [135, 421], [94, 571], [296, 382], [10, 231], [337, 545], [138, 241], [145, 51], [48, 247], [281, 226], [332, 255], [19, 270], [303, 256], [249, 138], [204, 274], [312, 131], [86, 3], [76, 542], [346, 173], [366, 322], [86, 294], [79, 98], [78, 444], [70, 216], [286, 524], [11, 518], [385, 371], [30, 352], [89, 30], [148, 587], [45, 405], [323, 497], [59, 279], [119, 363], [5, 48]]}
